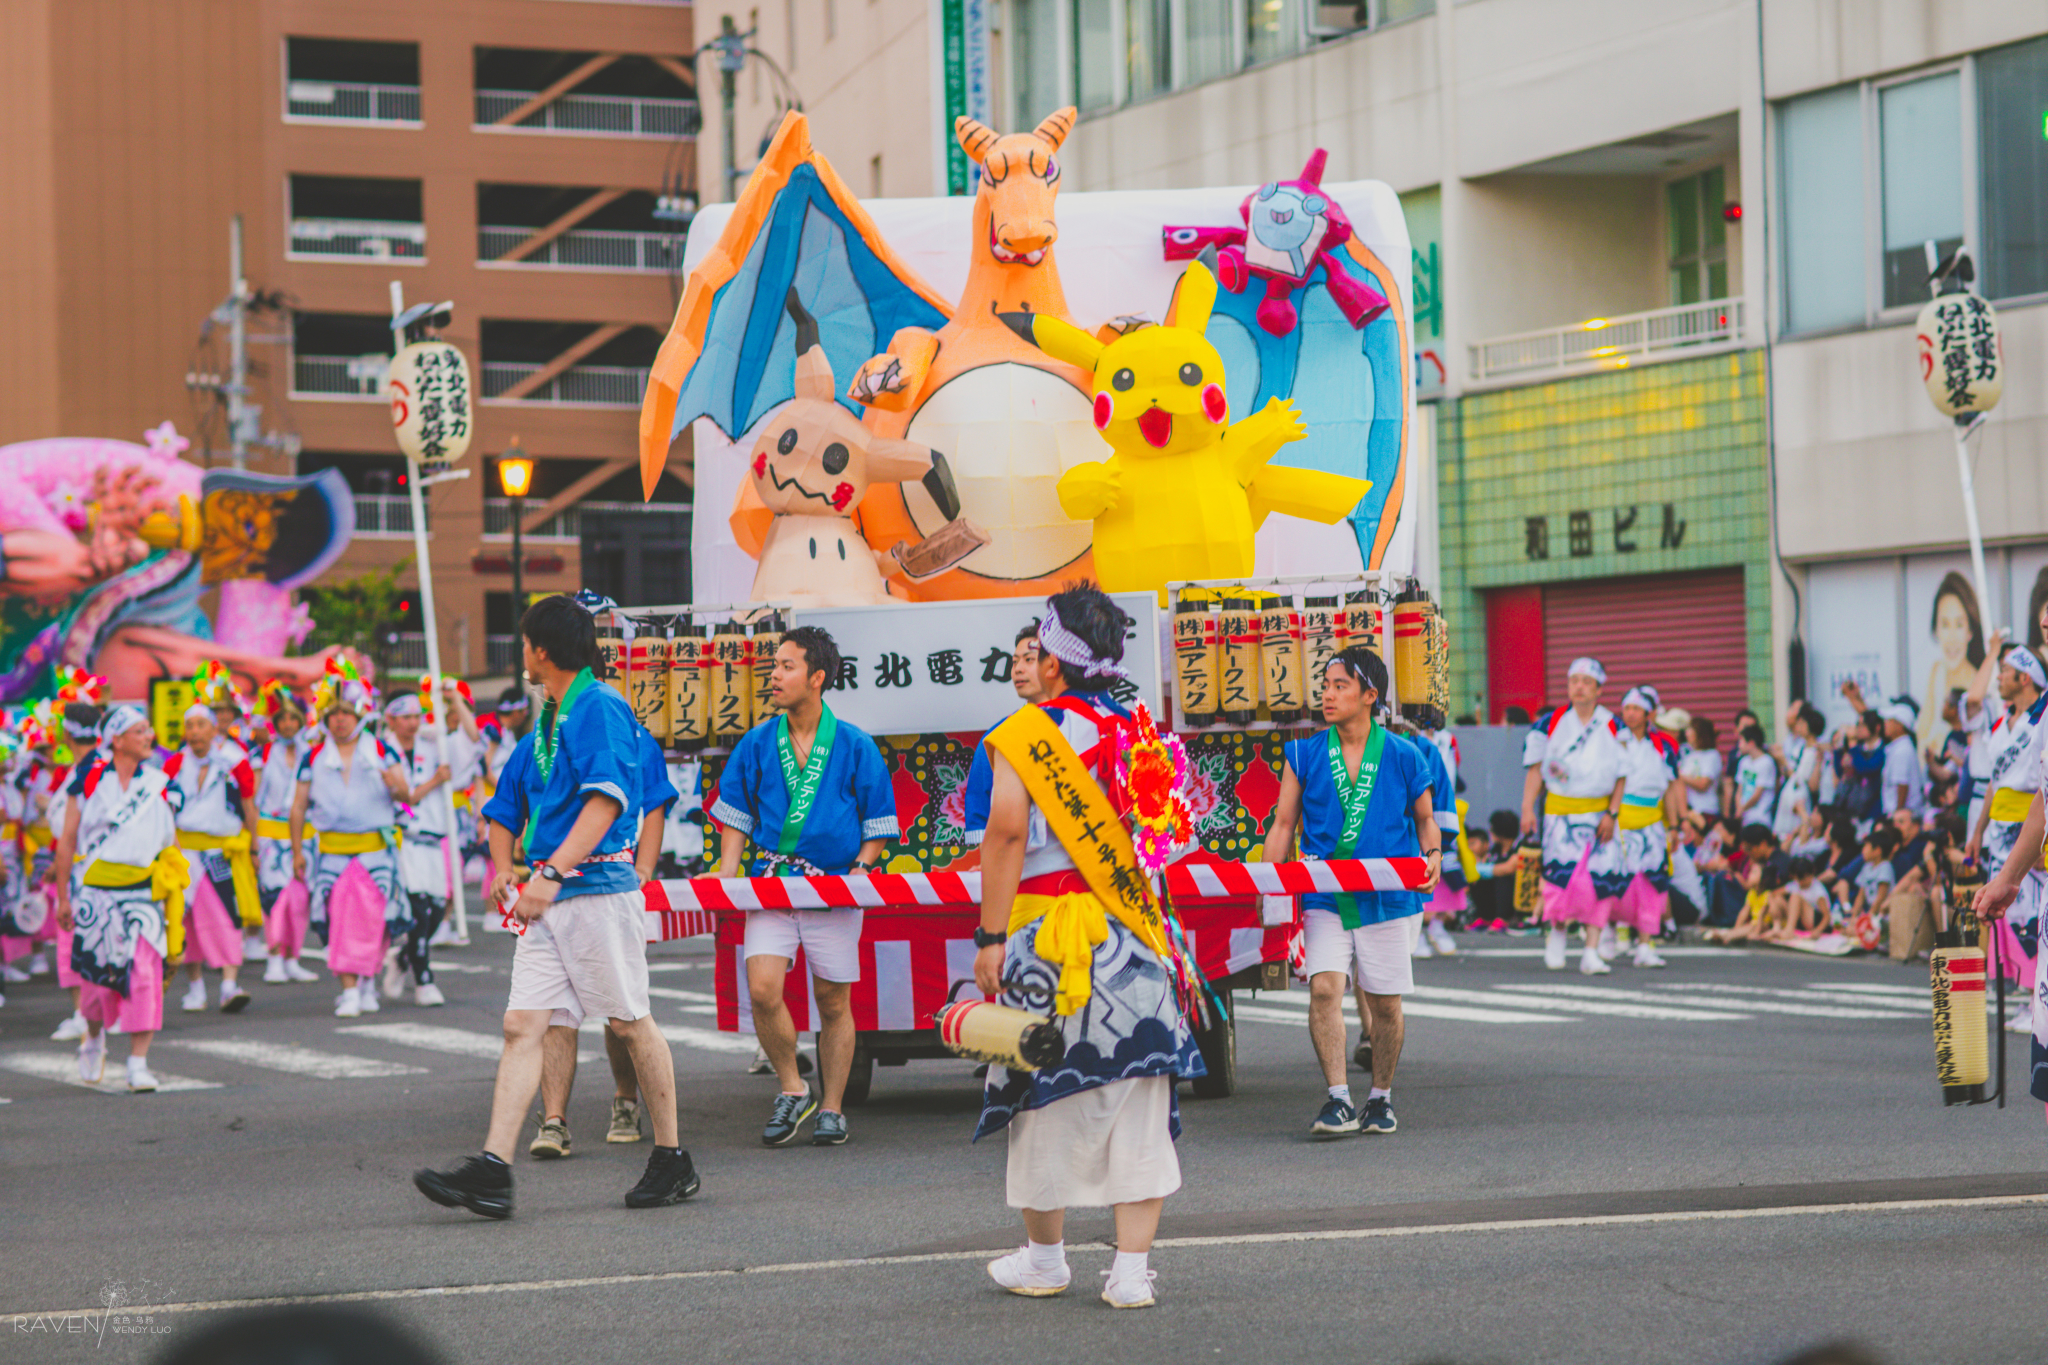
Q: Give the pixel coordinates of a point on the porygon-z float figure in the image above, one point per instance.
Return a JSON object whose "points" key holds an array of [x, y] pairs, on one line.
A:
{"points": [[1290, 227], [1186, 490]]}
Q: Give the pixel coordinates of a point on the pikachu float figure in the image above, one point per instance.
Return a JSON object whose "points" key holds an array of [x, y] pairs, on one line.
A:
{"points": [[1186, 490]]}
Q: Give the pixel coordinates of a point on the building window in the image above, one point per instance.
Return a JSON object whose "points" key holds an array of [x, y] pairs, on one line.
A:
{"points": [[1094, 55], [2012, 112], [1035, 63], [1920, 132], [1698, 238], [1272, 29], [1209, 39], [1148, 41], [1821, 170]]}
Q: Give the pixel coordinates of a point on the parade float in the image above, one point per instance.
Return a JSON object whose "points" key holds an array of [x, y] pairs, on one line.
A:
{"points": [[919, 438]]}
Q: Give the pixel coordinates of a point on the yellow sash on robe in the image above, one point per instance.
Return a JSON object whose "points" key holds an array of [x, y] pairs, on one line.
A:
{"points": [[241, 868], [168, 876], [1553, 804], [267, 828], [332, 841], [2010, 807]]}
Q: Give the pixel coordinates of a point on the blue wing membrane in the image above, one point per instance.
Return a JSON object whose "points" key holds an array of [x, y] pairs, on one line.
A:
{"points": [[1345, 380], [748, 362]]}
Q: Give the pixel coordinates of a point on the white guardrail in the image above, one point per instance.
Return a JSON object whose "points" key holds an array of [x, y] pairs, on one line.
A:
{"points": [[1609, 343], [602, 115], [352, 101]]}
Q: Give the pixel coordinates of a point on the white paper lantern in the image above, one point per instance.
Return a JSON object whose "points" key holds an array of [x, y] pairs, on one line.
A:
{"points": [[432, 402], [1960, 358]]}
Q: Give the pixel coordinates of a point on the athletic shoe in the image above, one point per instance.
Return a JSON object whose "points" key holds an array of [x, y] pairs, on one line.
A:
{"points": [[829, 1130], [92, 1059], [1647, 956], [273, 972], [2022, 1020], [625, 1121], [140, 1082], [395, 977], [294, 972], [1361, 1057], [13, 975], [1337, 1119], [1440, 937], [254, 949], [1015, 1273], [787, 1116], [1592, 964], [760, 1066], [550, 1140], [427, 995], [39, 964], [349, 1004], [366, 992], [443, 935], [483, 1187], [1378, 1116], [1610, 944], [668, 1179], [1554, 944], [1131, 1291], [195, 998], [233, 999], [71, 1030], [1422, 948]]}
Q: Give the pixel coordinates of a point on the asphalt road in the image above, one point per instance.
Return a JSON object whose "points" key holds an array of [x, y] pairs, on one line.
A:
{"points": [[1730, 1160]]}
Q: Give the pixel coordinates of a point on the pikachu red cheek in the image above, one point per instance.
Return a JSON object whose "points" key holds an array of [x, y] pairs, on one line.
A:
{"points": [[1102, 412], [1214, 406]]}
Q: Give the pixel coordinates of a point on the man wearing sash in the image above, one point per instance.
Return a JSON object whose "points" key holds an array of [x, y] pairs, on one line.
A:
{"points": [[423, 858], [1633, 873], [2013, 740], [1024, 657], [213, 791], [1573, 757], [1070, 928], [805, 794], [125, 908], [277, 782], [1357, 791], [583, 950]]}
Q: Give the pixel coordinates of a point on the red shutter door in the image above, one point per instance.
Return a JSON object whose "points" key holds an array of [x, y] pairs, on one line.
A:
{"points": [[1514, 650], [1685, 633]]}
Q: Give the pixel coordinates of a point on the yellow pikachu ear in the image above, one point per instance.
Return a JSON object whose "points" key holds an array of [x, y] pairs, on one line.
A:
{"points": [[1193, 298], [1060, 340]]}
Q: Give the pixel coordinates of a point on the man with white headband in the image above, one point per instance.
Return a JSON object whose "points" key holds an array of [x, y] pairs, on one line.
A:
{"points": [[125, 908], [1632, 873], [1905, 781], [213, 791], [286, 900], [1573, 757], [1069, 929], [2014, 739], [423, 860], [803, 794]]}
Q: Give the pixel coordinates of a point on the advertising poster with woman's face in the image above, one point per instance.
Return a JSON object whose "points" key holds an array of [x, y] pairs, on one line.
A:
{"points": [[1945, 637]]}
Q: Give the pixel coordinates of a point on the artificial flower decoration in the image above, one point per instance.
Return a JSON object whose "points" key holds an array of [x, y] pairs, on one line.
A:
{"points": [[75, 684], [342, 688], [164, 441], [1155, 775], [429, 687], [214, 685]]}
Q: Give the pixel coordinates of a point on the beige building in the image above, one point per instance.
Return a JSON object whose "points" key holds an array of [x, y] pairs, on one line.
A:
{"points": [[508, 155]]}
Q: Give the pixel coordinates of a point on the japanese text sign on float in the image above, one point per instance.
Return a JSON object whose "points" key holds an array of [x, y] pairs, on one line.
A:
{"points": [[431, 402], [1961, 360]]}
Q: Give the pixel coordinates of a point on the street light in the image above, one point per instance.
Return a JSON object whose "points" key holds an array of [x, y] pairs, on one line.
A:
{"points": [[515, 476]]}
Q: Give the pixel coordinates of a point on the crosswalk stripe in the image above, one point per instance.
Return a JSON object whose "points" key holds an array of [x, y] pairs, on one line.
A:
{"points": [[709, 1041], [697, 1001], [1260, 1014], [1811, 995], [1582, 1002], [1605, 993], [1918, 993], [297, 1061], [63, 1066], [456, 1042]]}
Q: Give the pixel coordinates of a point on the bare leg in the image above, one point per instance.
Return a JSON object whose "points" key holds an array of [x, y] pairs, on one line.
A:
{"points": [[1136, 1224], [1047, 1226], [625, 1084], [773, 1027], [348, 980], [655, 1069], [835, 1040], [557, 1070], [1364, 1016], [519, 1069], [138, 1045], [1388, 1032], [1326, 1023]]}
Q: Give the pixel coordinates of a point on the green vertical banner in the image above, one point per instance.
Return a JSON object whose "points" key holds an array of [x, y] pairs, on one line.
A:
{"points": [[953, 67]]}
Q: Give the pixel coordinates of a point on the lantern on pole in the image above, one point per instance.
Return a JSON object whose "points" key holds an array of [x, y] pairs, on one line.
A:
{"points": [[1963, 367]]}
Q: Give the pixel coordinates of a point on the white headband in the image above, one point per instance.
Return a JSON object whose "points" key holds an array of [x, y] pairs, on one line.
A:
{"points": [[1055, 639], [404, 704], [198, 710], [1895, 711], [122, 719], [1644, 697], [2025, 664], [1587, 666]]}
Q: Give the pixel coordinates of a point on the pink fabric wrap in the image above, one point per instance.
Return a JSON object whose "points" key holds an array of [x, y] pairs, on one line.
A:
{"points": [[211, 935], [142, 1009], [1445, 901], [1643, 906], [13, 947], [355, 923], [66, 978], [284, 928], [1574, 902], [2012, 959]]}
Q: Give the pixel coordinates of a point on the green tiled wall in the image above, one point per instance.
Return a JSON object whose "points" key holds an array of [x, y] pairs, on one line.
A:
{"points": [[1689, 433]]}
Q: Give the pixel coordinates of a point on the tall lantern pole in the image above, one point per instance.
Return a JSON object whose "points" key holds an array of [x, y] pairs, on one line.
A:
{"points": [[1963, 366]]}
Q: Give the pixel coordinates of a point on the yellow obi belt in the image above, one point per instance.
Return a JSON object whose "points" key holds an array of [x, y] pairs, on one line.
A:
{"points": [[241, 867], [349, 845], [167, 876], [1553, 804]]}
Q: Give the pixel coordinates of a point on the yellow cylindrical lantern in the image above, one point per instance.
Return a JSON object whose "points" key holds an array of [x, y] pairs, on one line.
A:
{"points": [[1358, 625], [1318, 646], [1238, 680], [647, 677], [989, 1032], [766, 640], [1961, 1063], [1411, 649], [732, 682], [689, 700], [611, 647], [1280, 660], [1194, 658]]}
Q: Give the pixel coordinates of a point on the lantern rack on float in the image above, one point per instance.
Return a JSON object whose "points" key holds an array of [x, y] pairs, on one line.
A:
{"points": [[696, 675], [1249, 654]]}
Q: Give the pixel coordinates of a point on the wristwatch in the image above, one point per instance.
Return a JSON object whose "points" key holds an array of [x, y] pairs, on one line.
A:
{"points": [[549, 872], [984, 939]]}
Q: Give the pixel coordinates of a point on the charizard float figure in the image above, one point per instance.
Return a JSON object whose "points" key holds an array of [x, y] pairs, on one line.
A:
{"points": [[1186, 490]]}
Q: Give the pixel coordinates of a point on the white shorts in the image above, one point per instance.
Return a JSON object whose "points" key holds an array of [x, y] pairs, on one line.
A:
{"points": [[830, 939], [1379, 957], [1112, 1144], [587, 956]]}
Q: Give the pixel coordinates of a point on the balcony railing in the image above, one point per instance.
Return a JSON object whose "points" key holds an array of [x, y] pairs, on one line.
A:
{"points": [[501, 654], [583, 250], [611, 386], [340, 376], [408, 652], [566, 524], [358, 239], [351, 102], [602, 115], [1611, 343]]}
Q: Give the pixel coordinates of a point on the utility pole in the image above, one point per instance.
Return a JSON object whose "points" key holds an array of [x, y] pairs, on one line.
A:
{"points": [[732, 59], [239, 416]]}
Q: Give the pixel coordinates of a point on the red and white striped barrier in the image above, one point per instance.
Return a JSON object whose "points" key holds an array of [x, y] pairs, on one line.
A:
{"points": [[1224, 881]]}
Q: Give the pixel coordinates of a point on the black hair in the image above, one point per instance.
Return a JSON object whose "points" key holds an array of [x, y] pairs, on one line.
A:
{"points": [[514, 695], [1364, 666], [1816, 724], [1887, 839], [1703, 732], [83, 714], [821, 653], [1506, 825], [1873, 722], [1773, 874], [562, 630], [1758, 834], [1086, 611], [1948, 828], [1803, 867], [1753, 734], [1842, 832], [1514, 715], [1029, 632]]}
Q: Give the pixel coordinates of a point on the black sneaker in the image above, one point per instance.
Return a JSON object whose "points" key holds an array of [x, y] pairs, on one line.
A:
{"points": [[830, 1130], [1361, 1057], [669, 1179], [1378, 1117], [483, 1187], [1338, 1119], [788, 1115]]}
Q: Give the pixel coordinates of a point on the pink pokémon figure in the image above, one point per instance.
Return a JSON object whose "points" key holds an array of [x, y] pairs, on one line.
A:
{"points": [[1289, 226]]}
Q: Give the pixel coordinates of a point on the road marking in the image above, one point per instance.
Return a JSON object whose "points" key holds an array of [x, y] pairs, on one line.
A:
{"points": [[699, 1002], [1538, 952], [1594, 1001], [706, 1040], [1747, 1002], [438, 1038], [1506, 1007], [63, 1067], [1918, 993], [1266, 1015], [1886, 1005], [298, 1061], [2010, 1201]]}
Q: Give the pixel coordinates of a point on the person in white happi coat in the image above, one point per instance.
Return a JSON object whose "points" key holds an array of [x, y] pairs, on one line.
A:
{"points": [[213, 790], [2001, 896], [120, 879], [277, 782], [1573, 757], [2013, 742], [1633, 872], [350, 788], [425, 857]]}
